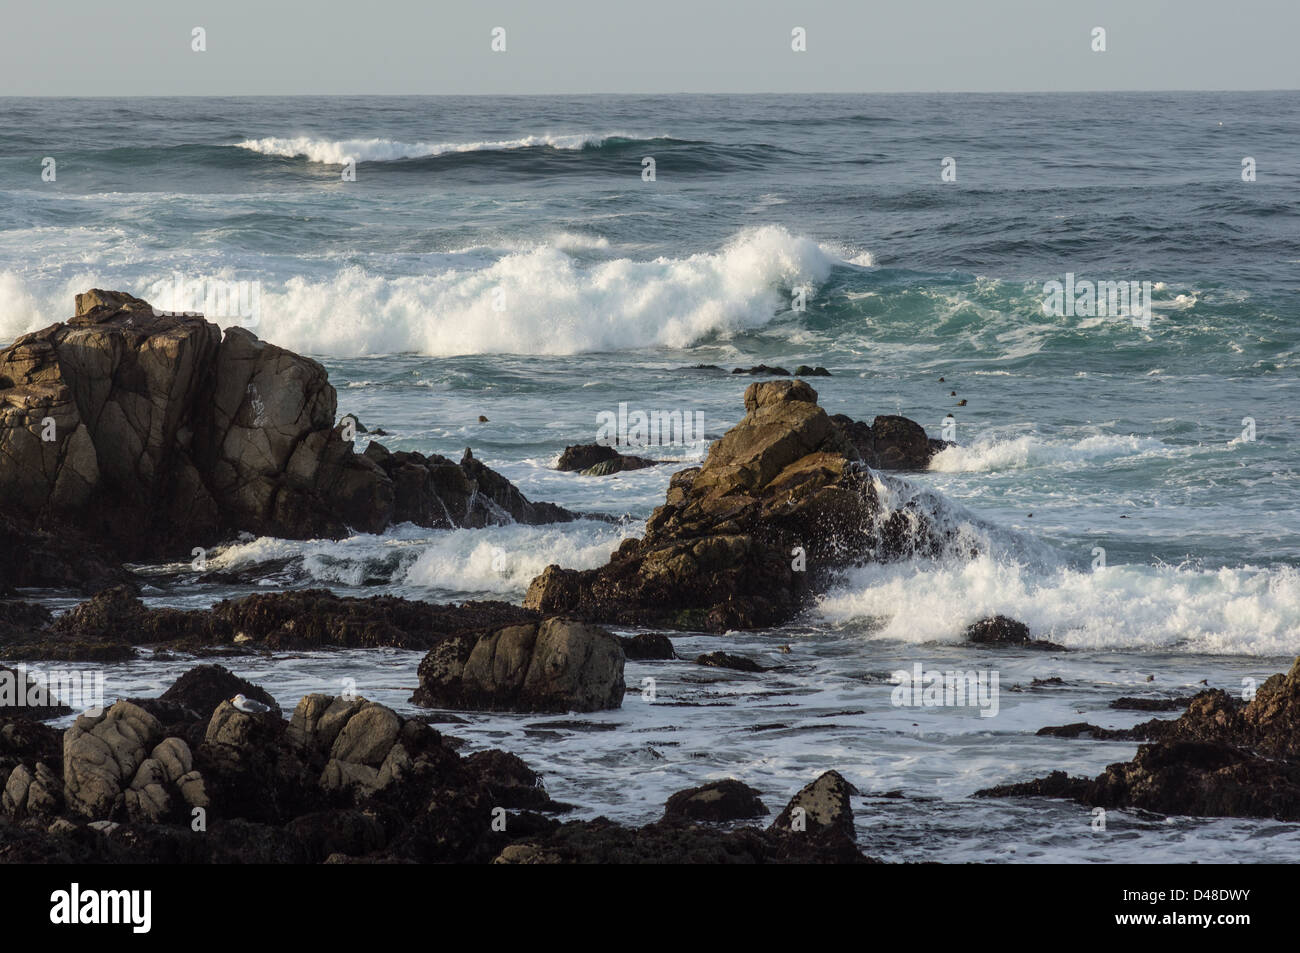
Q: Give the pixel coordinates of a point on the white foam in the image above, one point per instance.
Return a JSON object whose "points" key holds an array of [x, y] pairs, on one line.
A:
{"points": [[1244, 611], [1013, 453], [339, 151], [501, 560], [551, 303]]}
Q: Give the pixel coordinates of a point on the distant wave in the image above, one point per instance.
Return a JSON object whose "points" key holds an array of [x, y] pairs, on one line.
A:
{"points": [[339, 151]]}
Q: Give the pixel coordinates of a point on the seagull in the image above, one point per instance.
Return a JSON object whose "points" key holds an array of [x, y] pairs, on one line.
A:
{"points": [[249, 705]]}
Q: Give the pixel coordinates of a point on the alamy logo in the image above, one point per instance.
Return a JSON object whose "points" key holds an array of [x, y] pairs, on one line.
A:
{"points": [[655, 428], [83, 691], [955, 689], [74, 906], [239, 301], [1088, 299]]}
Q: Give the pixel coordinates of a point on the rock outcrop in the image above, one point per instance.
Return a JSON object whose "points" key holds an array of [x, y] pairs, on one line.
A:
{"points": [[155, 433], [557, 665], [1222, 758], [783, 498], [109, 625], [344, 780]]}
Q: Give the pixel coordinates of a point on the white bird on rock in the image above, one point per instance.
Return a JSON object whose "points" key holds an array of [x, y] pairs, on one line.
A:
{"points": [[249, 705]]}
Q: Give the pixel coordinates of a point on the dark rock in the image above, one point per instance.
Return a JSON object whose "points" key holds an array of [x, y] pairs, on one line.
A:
{"points": [[594, 459], [559, 665], [1150, 704], [764, 370], [724, 660], [1003, 630], [203, 688], [648, 646], [1221, 758], [803, 370], [728, 800]]}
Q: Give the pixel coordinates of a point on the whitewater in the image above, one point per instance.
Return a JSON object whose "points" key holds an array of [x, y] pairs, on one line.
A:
{"points": [[1127, 492]]}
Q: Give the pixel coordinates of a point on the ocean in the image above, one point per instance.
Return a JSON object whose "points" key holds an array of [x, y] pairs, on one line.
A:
{"points": [[1128, 480]]}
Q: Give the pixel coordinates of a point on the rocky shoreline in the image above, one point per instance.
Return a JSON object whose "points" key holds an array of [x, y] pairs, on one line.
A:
{"points": [[128, 435]]}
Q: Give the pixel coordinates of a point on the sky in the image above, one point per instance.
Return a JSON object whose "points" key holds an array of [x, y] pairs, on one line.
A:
{"points": [[332, 47]]}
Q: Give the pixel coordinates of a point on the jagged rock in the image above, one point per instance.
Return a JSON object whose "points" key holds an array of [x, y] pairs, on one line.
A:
{"points": [[824, 805], [154, 433], [890, 442], [781, 491], [728, 800], [763, 369], [1003, 630], [559, 665], [806, 370], [1222, 758]]}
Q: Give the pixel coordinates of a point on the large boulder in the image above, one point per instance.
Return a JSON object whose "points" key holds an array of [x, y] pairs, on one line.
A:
{"points": [[559, 665], [155, 433], [782, 500], [102, 754]]}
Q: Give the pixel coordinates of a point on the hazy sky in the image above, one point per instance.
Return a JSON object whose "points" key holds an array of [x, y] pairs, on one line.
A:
{"points": [[143, 47]]}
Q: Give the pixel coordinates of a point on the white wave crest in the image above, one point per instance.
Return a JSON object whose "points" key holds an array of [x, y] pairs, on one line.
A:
{"points": [[1231, 611], [339, 151], [1015, 453]]}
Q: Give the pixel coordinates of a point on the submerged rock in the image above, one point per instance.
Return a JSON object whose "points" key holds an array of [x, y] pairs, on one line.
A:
{"points": [[594, 459], [110, 623]]}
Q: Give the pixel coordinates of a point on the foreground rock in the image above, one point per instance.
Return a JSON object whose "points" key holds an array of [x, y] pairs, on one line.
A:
{"points": [[559, 665], [155, 433], [728, 800], [594, 459], [891, 442], [1221, 758], [744, 540], [344, 780], [108, 626]]}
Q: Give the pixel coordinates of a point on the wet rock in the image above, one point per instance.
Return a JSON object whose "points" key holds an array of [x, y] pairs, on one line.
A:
{"points": [[764, 370], [821, 806], [728, 800], [1150, 704], [1223, 757], [205, 687], [595, 459], [648, 646], [804, 370], [1003, 630], [890, 442], [782, 489], [559, 665], [725, 660]]}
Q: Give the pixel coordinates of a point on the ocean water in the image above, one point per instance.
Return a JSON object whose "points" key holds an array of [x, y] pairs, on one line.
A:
{"points": [[1130, 485]]}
